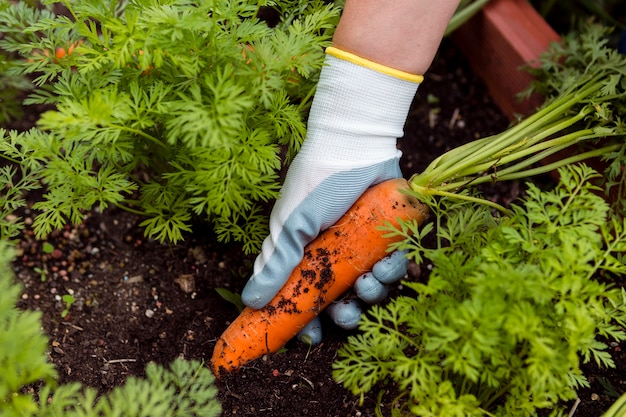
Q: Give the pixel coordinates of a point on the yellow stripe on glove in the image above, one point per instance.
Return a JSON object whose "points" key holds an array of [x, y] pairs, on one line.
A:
{"points": [[355, 59]]}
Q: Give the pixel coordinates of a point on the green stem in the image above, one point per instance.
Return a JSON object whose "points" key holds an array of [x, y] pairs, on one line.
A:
{"points": [[547, 149], [518, 171], [484, 394], [129, 209], [529, 146], [465, 157], [141, 133], [8, 158], [464, 13], [438, 191], [610, 248], [618, 408], [305, 101], [487, 404], [487, 413], [467, 148], [560, 163]]}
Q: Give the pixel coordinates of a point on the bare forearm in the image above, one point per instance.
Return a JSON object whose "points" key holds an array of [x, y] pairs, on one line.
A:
{"points": [[401, 34]]}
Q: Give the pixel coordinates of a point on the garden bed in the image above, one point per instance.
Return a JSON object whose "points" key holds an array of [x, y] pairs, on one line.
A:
{"points": [[137, 301]]}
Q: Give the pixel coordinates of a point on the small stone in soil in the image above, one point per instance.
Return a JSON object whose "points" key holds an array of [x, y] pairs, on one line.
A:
{"points": [[134, 279], [186, 282]]}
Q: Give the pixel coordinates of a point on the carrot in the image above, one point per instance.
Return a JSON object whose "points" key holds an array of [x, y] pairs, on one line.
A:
{"points": [[60, 53], [331, 265]]}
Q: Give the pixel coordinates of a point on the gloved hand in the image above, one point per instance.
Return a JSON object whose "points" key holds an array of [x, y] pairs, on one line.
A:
{"points": [[371, 287], [358, 112]]}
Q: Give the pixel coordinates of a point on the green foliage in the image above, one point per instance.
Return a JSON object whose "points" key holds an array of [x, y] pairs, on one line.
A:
{"points": [[14, 183], [585, 57], [175, 109], [68, 300], [231, 297], [10, 85], [511, 308], [10, 88], [22, 345], [186, 389], [584, 83], [465, 11], [581, 57]]}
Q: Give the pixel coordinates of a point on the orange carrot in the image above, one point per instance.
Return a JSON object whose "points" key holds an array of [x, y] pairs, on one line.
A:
{"points": [[331, 265], [60, 53]]}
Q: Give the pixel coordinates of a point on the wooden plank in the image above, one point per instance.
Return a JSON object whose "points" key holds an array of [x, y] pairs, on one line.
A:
{"points": [[505, 35]]}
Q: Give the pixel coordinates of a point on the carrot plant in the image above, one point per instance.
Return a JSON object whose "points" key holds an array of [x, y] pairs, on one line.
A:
{"points": [[10, 88], [586, 56], [584, 82], [514, 303], [176, 110], [510, 310]]}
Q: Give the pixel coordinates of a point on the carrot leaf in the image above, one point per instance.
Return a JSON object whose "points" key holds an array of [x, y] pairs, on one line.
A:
{"points": [[584, 82], [231, 297], [178, 111], [511, 308]]}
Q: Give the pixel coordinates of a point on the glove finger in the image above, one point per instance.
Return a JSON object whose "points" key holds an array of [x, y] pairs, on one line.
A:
{"points": [[391, 268], [311, 334], [346, 313], [370, 289]]}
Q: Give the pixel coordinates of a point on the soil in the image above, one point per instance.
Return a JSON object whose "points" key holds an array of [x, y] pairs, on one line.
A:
{"points": [[137, 301]]}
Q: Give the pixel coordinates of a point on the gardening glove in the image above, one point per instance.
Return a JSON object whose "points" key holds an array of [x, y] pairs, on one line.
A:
{"points": [[371, 287], [358, 112]]}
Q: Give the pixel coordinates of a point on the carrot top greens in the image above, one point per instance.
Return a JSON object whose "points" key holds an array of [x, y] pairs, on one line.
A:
{"points": [[178, 110], [585, 82], [510, 309], [514, 303]]}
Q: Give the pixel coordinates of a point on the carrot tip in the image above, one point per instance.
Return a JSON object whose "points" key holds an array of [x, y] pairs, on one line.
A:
{"points": [[60, 53]]}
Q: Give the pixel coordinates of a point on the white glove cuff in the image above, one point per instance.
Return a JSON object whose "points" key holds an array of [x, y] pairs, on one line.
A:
{"points": [[357, 113]]}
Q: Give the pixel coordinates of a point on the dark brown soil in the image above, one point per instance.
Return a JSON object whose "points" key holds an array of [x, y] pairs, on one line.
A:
{"points": [[138, 301]]}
